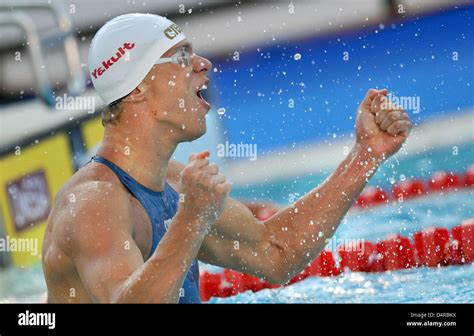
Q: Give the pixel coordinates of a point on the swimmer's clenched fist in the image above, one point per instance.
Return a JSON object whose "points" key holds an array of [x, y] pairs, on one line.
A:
{"points": [[381, 126], [205, 191]]}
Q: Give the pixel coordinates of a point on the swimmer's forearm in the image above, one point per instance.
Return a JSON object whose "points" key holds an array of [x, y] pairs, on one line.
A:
{"points": [[302, 228], [160, 278]]}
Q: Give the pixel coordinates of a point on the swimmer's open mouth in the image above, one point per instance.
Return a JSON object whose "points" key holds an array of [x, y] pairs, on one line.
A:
{"points": [[201, 93]]}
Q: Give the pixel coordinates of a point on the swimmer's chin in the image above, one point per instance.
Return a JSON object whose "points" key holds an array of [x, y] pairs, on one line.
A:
{"points": [[198, 132]]}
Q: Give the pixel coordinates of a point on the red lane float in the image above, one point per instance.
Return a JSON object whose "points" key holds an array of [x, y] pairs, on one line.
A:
{"points": [[210, 285], [323, 265], [444, 180], [464, 235], [452, 255], [356, 261], [376, 261], [439, 181], [397, 253], [408, 189], [372, 196], [469, 177], [393, 253], [431, 247], [391, 259]]}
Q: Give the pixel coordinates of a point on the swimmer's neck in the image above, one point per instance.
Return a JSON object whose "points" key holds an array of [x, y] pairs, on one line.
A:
{"points": [[144, 156]]}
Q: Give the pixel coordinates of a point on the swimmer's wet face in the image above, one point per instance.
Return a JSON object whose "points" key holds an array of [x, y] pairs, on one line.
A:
{"points": [[173, 92]]}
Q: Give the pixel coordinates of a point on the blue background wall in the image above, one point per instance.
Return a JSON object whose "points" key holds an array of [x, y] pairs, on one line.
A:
{"points": [[412, 58]]}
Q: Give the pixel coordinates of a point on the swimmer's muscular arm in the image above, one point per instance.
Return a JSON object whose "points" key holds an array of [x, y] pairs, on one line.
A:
{"points": [[284, 244], [108, 260]]}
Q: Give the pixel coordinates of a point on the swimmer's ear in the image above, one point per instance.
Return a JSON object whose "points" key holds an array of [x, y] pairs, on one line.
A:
{"points": [[138, 94]]}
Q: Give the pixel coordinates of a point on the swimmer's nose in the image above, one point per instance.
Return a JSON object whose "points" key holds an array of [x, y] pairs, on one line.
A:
{"points": [[201, 64]]}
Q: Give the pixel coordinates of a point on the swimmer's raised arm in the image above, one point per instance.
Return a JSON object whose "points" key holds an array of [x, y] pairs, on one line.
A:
{"points": [[109, 261], [283, 245]]}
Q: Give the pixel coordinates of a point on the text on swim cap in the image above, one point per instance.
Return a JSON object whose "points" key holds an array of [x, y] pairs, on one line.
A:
{"points": [[109, 62], [172, 31]]}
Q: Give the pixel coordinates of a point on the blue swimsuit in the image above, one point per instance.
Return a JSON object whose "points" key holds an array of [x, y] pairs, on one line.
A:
{"points": [[161, 206]]}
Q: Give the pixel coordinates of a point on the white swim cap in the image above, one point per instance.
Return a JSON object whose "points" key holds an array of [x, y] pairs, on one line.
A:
{"points": [[125, 49]]}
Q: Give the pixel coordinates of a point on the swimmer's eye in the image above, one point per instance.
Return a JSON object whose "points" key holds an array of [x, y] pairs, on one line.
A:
{"points": [[184, 57]]}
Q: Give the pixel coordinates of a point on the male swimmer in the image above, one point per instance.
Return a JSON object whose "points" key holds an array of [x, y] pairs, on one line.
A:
{"points": [[131, 225]]}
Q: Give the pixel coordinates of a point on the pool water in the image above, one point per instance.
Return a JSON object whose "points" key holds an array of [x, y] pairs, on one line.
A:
{"points": [[22, 285], [446, 284], [456, 158], [424, 285], [420, 285]]}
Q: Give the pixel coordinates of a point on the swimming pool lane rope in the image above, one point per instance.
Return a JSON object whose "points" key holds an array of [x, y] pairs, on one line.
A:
{"points": [[431, 247]]}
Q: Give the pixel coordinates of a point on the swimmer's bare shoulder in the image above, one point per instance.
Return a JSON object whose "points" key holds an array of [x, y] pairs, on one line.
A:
{"points": [[89, 225]]}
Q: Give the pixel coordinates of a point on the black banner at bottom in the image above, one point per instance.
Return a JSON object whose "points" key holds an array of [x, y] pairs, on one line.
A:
{"points": [[377, 319]]}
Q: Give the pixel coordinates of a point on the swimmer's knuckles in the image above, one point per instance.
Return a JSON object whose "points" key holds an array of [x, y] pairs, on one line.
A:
{"points": [[205, 190]]}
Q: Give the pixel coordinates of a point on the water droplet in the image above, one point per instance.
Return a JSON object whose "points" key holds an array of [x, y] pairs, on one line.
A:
{"points": [[297, 56], [221, 111], [153, 77], [171, 83]]}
